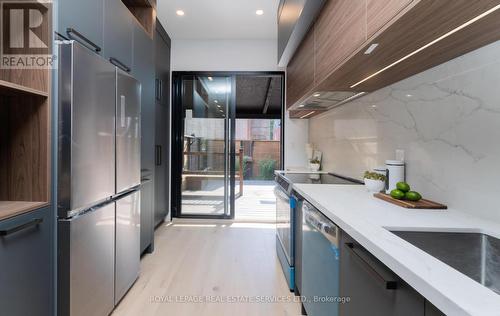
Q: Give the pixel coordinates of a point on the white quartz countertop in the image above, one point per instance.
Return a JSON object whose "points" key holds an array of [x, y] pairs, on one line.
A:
{"points": [[368, 220]]}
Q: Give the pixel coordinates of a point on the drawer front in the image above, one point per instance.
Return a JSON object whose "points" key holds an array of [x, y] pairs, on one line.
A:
{"points": [[364, 279], [26, 260]]}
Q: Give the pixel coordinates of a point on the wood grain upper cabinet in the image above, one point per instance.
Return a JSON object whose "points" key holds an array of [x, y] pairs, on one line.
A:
{"points": [[300, 70], [339, 30], [380, 12]]}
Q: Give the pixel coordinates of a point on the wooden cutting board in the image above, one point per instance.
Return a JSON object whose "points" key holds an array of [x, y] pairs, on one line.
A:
{"points": [[422, 204]]}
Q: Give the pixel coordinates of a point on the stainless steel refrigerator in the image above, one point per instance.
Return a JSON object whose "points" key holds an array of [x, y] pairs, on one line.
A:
{"points": [[98, 182]]}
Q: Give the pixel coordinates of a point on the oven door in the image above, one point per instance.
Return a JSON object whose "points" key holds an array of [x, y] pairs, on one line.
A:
{"points": [[284, 222]]}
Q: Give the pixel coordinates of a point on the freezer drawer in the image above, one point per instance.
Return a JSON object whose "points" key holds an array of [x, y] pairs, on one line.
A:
{"points": [[128, 132], [86, 263], [128, 235], [86, 132]]}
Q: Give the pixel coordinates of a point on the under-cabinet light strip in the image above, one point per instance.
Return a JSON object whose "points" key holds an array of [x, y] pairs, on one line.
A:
{"points": [[306, 115], [430, 44]]}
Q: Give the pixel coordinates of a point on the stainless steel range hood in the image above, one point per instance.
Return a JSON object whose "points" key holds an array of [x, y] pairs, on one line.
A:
{"points": [[325, 100]]}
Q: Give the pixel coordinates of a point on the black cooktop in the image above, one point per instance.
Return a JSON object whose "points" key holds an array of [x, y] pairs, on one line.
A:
{"points": [[315, 178]]}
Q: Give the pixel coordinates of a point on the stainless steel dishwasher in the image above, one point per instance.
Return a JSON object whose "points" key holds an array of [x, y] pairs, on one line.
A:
{"points": [[320, 263]]}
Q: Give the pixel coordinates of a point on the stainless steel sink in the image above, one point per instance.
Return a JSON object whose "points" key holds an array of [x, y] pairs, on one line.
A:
{"points": [[475, 255]]}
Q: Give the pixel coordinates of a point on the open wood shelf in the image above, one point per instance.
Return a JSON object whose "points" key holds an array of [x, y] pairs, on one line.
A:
{"points": [[25, 137], [144, 12], [13, 208], [9, 88], [28, 80], [24, 150]]}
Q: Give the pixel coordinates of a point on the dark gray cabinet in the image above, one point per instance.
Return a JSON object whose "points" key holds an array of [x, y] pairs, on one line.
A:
{"points": [[143, 69], [118, 33], [162, 125], [147, 214], [370, 285], [86, 17], [27, 264]]}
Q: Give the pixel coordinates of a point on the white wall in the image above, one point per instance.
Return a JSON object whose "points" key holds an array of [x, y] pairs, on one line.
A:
{"points": [[447, 119], [296, 138], [224, 55]]}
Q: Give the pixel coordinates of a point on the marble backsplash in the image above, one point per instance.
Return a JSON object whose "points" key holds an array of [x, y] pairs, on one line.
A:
{"points": [[447, 119]]}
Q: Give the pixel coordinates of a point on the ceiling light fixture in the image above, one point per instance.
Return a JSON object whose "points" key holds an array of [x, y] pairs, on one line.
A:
{"points": [[317, 95], [210, 78], [179, 12], [301, 106], [304, 116], [430, 44], [259, 12]]}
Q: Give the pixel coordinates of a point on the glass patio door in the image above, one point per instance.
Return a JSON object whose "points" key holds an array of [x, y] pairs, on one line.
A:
{"points": [[207, 179]]}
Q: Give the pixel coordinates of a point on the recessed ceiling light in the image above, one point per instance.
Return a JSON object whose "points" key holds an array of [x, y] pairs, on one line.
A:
{"points": [[316, 95], [179, 12], [259, 12], [210, 78], [216, 101], [301, 106]]}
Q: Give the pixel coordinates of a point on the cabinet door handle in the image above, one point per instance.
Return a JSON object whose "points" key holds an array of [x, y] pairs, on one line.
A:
{"points": [[158, 155], [161, 90], [119, 64], [377, 272], [80, 37], [157, 90], [15, 229]]}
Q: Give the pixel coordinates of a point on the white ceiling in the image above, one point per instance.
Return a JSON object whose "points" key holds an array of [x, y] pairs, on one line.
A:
{"points": [[219, 19]]}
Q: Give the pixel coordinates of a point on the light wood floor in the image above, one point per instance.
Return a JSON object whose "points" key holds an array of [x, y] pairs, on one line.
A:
{"points": [[219, 259]]}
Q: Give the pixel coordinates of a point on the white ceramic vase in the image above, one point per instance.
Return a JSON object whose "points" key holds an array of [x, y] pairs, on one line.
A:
{"points": [[374, 185]]}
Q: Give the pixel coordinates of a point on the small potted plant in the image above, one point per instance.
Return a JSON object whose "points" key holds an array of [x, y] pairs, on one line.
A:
{"points": [[314, 164], [374, 182]]}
